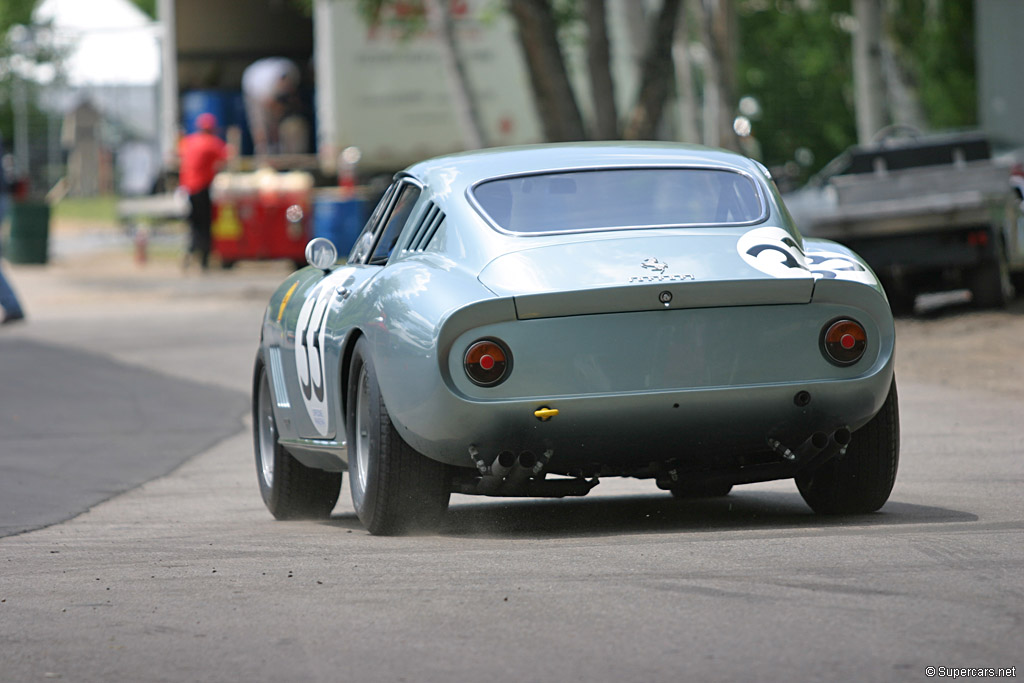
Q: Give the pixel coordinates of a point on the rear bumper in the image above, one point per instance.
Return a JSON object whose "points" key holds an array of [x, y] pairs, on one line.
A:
{"points": [[712, 425], [705, 384]]}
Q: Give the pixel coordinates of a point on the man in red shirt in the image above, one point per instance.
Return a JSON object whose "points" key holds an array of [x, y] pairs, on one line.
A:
{"points": [[202, 154]]}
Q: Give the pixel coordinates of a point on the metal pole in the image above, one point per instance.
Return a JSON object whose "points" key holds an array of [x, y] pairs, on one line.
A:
{"points": [[53, 172], [167, 17], [20, 106]]}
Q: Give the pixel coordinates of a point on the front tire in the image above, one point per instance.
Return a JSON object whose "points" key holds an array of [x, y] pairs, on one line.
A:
{"points": [[394, 489], [290, 490], [860, 481]]}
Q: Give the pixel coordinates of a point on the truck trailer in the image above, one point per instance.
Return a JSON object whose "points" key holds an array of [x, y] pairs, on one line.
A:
{"points": [[928, 213]]}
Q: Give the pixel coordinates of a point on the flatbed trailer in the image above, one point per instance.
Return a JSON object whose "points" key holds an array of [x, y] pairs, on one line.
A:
{"points": [[927, 214]]}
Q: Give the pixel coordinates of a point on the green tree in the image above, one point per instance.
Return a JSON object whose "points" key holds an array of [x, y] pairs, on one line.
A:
{"points": [[795, 59], [12, 13], [147, 6], [937, 42], [24, 48], [15, 12]]}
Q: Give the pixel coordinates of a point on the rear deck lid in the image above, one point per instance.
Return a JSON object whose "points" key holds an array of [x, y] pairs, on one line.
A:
{"points": [[691, 269]]}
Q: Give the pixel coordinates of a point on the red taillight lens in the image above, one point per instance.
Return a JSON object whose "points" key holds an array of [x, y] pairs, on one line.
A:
{"points": [[844, 342], [487, 362]]}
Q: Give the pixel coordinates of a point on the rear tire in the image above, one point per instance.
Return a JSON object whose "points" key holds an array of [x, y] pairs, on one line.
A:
{"points": [[990, 282], [394, 488], [290, 490], [860, 481], [991, 286]]}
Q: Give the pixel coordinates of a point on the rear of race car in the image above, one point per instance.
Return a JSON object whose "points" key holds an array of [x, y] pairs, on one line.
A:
{"points": [[701, 360], [661, 320]]}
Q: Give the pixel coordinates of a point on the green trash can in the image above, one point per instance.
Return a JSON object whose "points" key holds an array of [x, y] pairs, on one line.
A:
{"points": [[29, 239]]}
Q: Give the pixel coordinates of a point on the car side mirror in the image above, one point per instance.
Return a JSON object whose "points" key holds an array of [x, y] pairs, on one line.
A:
{"points": [[321, 253]]}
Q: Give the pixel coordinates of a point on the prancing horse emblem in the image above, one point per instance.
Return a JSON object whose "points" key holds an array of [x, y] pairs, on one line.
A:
{"points": [[654, 264]]}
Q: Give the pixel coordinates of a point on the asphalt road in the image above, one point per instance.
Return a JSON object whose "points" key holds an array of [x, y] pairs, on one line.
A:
{"points": [[79, 427], [188, 577]]}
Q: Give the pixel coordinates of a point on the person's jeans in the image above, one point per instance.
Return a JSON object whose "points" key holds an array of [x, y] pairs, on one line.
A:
{"points": [[200, 220], [8, 300]]}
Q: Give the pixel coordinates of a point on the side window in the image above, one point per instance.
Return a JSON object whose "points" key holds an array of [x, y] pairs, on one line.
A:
{"points": [[364, 243], [407, 196]]}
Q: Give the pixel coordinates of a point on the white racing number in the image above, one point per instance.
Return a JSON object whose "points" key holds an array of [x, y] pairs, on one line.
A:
{"points": [[310, 334], [775, 252]]}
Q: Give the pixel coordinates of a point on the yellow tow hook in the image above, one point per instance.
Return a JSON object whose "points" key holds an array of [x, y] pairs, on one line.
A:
{"points": [[544, 414]]}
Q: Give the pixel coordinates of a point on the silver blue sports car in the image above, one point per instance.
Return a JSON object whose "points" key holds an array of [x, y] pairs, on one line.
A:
{"points": [[525, 321]]}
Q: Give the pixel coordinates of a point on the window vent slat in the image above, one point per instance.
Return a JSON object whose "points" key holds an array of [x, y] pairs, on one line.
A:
{"points": [[431, 230], [424, 232], [416, 243]]}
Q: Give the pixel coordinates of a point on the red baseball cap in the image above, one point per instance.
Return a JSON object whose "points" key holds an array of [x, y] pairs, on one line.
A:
{"points": [[206, 121]]}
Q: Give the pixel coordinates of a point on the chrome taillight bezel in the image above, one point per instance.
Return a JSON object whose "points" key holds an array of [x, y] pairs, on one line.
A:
{"points": [[487, 377], [833, 341]]}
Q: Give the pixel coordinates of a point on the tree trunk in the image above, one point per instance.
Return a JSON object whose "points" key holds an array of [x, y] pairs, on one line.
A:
{"points": [[440, 19], [901, 88], [637, 27], [709, 69], [602, 86], [867, 69], [726, 34], [657, 76], [553, 95], [719, 24], [684, 82]]}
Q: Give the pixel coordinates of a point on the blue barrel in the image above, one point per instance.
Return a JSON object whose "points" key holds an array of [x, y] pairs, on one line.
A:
{"points": [[196, 102], [227, 105], [339, 220]]}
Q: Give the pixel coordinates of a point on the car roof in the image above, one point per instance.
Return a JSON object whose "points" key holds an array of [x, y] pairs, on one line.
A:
{"points": [[471, 241], [456, 172]]}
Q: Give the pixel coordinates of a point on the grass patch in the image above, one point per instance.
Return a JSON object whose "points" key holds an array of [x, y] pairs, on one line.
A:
{"points": [[91, 209]]}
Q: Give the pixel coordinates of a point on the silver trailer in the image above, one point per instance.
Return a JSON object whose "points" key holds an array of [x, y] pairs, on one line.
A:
{"points": [[927, 214]]}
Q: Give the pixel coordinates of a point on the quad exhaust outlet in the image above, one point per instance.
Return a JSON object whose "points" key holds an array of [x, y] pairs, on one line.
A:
{"points": [[523, 475], [817, 449]]}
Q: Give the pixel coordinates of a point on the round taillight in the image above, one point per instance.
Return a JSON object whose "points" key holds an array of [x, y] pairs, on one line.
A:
{"points": [[487, 362], [844, 342]]}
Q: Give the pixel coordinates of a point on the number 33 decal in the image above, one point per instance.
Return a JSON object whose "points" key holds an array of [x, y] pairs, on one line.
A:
{"points": [[310, 333]]}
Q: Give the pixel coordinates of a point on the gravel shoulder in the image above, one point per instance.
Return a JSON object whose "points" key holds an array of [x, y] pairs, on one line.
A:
{"points": [[962, 348]]}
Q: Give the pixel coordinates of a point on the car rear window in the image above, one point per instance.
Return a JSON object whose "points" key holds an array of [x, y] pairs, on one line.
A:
{"points": [[620, 198]]}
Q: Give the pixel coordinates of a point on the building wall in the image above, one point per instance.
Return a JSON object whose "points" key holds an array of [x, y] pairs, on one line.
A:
{"points": [[999, 26]]}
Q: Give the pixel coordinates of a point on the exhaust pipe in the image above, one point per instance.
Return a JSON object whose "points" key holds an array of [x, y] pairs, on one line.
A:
{"points": [[838, 442], [818, 448], [481, 464], [521, 471], [510, 476], [497, 472], [815, 443]]}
